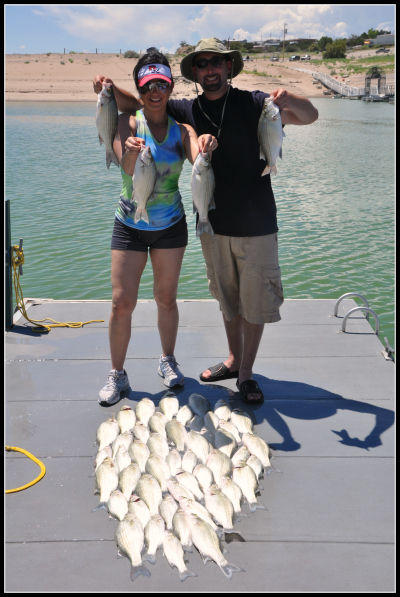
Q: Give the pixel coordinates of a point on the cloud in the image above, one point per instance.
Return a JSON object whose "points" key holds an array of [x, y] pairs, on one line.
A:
{"points": [[22, 47]]}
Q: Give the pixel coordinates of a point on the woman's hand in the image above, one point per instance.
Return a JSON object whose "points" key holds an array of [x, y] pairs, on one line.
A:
{"points": [[98, 82], [207, 143], [133, 145]]}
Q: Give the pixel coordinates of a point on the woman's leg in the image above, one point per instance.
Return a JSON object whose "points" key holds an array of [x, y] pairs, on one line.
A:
{"points": [[166, 269], [126, 270]]}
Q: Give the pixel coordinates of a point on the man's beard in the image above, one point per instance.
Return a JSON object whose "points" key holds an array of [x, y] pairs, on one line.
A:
{"points": [[215, 86]]}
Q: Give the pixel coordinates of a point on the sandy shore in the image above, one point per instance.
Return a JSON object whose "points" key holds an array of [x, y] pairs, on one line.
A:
{"points": [[38, 77]]}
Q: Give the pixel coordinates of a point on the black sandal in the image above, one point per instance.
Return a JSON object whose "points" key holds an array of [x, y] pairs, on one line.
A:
{"points": [[219, 372], [250, 386]]}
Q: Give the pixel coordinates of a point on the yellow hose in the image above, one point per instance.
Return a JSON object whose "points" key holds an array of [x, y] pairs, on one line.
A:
{"points": [[18, 260], [42, 469]]}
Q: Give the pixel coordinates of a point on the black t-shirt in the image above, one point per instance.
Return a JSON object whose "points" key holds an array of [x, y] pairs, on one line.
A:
{"points": [[244, 201]]}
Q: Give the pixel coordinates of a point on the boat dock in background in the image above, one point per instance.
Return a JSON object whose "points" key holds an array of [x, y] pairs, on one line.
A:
{"points": [[328, 415]]}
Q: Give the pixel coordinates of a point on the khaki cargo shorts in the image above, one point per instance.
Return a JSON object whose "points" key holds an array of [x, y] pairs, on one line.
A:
{"points": [[244, 276]]}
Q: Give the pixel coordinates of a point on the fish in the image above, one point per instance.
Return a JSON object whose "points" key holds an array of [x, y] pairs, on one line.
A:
{"points": [[107, 122], [117, 505], [193, 507], [176, 433], [189, 461], [184, 414], [203, 185], [204, 476], [157, 423], [174, 553], [231, 428], [242, 421], [256, 465], [137, 507], [211, 421], [128, 478], [244, 476], [178, 491], [129, 537], [189, 480], [107, 482], [198, 444], [242, 454], [139, 452], [143, 181], [122, 458], [220, 507], [196, 424], [222, 410], [270, 135], [225, 442], [123, 439], [169, 405], [208, 434], [199, 405], [158, 467], [149, 490], [126, 419], [101, 455], [107, 433], [207, 542], [157, 444], [144, 409], [257, 446], [174, 461], [220, 464], [234, 493], [168, 507], [180, 524], [140, 431], [153, 534]]}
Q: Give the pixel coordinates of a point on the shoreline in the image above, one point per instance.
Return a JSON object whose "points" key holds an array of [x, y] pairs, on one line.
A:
{"points": [[68, 77]]}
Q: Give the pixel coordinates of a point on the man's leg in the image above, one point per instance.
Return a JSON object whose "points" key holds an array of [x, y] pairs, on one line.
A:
{"points": [[252, 334], [233, 329]]}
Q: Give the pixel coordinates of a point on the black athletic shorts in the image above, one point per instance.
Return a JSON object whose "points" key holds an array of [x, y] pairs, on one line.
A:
{"points": [[125, 238]]}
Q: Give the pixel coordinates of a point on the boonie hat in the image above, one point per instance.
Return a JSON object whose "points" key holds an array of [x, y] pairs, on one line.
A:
{"points": [[154, 71], [211, 44]]}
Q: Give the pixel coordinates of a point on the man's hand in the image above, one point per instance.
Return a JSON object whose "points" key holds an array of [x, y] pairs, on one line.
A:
{"points": [[98, 82], [207, 143], [282, 98]]}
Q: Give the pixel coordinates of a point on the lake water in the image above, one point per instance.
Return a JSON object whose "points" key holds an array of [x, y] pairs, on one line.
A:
{"points": [[334, 193]]}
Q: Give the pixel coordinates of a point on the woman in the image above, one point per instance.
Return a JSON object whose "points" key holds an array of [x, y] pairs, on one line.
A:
{"points": [[165, 236]]}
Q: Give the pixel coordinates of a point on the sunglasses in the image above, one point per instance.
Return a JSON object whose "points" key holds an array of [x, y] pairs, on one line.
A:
{"points": [[148, 87], [202, 63]]}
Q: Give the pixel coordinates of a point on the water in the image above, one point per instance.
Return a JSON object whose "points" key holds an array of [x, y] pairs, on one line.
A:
{"points": [[334, 192]]}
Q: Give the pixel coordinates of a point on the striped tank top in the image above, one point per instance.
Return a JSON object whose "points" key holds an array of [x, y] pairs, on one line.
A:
{"points": [[164, 206]]}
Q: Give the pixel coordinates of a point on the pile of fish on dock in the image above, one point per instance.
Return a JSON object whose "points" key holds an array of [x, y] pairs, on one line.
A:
{"points": [[173, 488]]}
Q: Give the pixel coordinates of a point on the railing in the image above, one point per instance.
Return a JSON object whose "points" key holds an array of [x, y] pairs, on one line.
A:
{"points": [[348, 91]]}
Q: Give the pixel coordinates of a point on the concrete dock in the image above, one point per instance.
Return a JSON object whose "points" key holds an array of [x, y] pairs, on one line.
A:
{"points": [[328, 415]]}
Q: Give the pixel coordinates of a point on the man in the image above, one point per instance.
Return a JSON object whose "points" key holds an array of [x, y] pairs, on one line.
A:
{"points": [[242, 261]]}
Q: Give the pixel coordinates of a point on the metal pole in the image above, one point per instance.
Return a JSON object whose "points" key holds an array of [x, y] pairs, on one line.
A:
{"points": [[283, 50], [8, 272]]}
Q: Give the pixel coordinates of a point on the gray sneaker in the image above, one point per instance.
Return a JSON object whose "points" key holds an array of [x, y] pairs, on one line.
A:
{"points": [[116, 383], [168, 369]]}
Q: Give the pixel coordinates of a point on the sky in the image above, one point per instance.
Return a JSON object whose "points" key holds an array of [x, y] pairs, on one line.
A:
{"points": [[42, 28]]}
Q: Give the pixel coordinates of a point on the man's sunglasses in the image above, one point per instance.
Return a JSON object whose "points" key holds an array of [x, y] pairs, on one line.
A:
{"points": [[202, 63], [148, 87]]}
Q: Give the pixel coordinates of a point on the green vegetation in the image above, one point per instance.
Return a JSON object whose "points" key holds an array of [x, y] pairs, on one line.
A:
{"points": [[36, 60], [48, 53], [358, 65], [27, 62], [72, 52], [62, 62], [337, 49], [131, 54], [70, 59], [255, 72]]}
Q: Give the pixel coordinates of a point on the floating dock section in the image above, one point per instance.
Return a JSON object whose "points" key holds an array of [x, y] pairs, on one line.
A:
{"points": [[328, 414]]}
